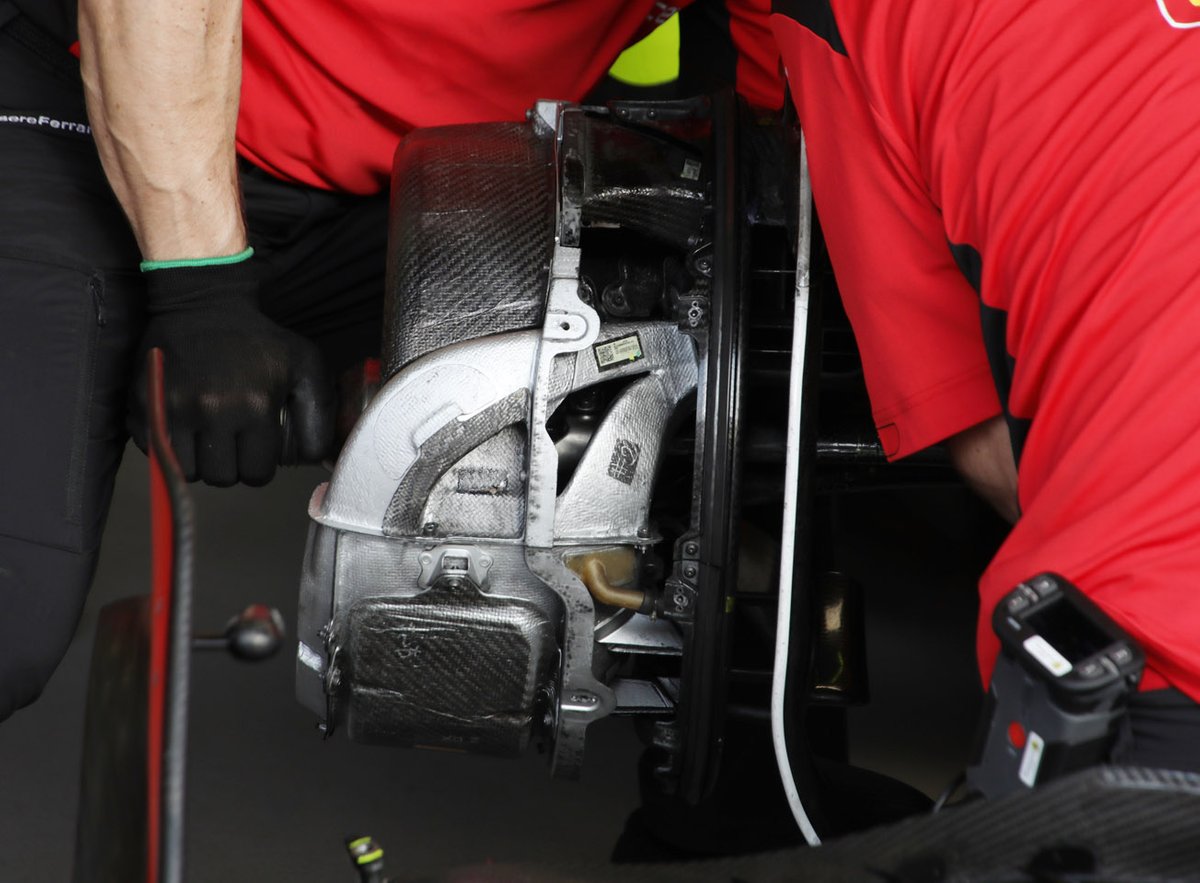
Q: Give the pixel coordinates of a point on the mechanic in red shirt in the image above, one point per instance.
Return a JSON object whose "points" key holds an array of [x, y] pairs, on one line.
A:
{"points": [[1031, 169], [259, 227]]}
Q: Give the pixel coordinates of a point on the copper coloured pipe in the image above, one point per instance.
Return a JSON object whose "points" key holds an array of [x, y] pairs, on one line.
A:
{"points": [[598, 571]]}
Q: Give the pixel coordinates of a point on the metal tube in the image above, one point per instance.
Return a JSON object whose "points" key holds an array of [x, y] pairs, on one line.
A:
{"points": [[595, 577]]}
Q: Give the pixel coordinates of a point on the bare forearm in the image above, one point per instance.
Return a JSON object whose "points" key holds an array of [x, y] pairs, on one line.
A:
{"points": [[162, 81], [983, 455]]}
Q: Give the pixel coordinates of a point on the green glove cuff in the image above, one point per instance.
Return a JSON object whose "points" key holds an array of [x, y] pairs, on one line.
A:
{"points": [[147, 266]]}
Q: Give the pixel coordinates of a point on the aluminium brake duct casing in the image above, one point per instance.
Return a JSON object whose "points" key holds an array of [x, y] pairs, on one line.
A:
{"points": [[436, 608]]}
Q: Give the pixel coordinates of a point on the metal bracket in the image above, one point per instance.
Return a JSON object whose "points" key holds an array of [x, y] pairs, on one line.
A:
{"points": [[692, 311], [679, 597], [582, 698], [455, 562], [571, 325], [544, 116]]}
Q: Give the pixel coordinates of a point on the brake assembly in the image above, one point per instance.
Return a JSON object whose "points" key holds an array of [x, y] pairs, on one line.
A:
{"points": [[487, 566]]}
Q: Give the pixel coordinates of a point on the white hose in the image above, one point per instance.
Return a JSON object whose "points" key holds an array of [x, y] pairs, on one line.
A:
{"points": [[790, 495]]}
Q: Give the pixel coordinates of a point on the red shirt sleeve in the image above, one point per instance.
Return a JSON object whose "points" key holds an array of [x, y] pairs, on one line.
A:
{"points": [[759, 72], [916, 318]]}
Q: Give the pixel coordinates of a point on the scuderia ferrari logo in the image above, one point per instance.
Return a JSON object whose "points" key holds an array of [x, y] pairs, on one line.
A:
{"points": [[1181, 13]]}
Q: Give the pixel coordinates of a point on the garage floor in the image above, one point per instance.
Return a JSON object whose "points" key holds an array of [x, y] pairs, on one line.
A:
{"points": [[270, 801]]}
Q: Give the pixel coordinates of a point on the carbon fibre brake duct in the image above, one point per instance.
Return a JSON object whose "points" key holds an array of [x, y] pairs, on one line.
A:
{"points": [[439, 605]]}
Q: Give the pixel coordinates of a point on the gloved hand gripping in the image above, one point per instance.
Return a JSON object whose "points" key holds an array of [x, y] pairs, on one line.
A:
{"points": [[231, 374]]}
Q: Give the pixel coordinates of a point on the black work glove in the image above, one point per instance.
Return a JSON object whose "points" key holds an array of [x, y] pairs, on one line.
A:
{"points": [[233, 378]]}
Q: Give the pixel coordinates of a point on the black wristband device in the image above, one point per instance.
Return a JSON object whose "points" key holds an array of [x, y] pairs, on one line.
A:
{"points": [[1059, 689]]}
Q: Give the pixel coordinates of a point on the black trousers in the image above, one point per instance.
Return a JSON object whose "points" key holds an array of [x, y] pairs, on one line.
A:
{"points": [[71, 313]]}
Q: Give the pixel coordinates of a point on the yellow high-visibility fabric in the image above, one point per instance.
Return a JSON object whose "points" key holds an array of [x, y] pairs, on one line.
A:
{"points": [[653, 60]]}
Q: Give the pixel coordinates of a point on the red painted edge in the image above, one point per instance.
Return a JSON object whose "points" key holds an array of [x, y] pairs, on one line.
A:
{"points": [[161, 565]]}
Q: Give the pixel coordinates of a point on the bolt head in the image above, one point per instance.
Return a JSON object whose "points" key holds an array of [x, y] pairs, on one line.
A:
{"points": [[689, 571]]}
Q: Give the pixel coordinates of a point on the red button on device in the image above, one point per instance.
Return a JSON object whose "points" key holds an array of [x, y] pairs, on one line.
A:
{"points": [[1016, 735]]}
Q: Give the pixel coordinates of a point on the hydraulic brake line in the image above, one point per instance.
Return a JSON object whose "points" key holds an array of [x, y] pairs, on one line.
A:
{"points": [[790, 505]]}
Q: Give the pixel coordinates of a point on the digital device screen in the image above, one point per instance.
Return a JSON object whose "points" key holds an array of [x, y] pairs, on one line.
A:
{"points": [[1068, 631]]}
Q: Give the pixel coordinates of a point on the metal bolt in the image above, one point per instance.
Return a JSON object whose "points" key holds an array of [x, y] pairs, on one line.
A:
{"points": [[691, 549], [643, 532], [689, 571], [681, 600], [429, 528]]}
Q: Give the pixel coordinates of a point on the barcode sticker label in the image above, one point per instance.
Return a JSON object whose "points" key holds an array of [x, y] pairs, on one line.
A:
{"points": [[1031, 760], [616, 352]]}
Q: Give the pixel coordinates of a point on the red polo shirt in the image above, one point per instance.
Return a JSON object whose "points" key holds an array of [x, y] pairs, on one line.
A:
{"points": [[329, 88], [1056, 143]]}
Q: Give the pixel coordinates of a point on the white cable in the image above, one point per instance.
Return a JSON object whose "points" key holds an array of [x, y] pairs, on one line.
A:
{"points": [[790, 495]]}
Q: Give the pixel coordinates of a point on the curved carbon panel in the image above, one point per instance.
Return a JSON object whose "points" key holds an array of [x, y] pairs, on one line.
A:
{"points": [[470, 237], [1130, 825], [450, 667], [645, 182], [441, 451]]}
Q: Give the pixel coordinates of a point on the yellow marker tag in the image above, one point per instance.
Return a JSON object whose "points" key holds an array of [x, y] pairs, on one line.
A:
{"points": [[654, 59], [370, 857], [729, 603]]}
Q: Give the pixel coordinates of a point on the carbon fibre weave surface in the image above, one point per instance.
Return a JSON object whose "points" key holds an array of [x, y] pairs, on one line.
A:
{"points": [[470, 237], [483, 494], [449, 667], [644, 182], [1138, 826], [441, 451]]}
